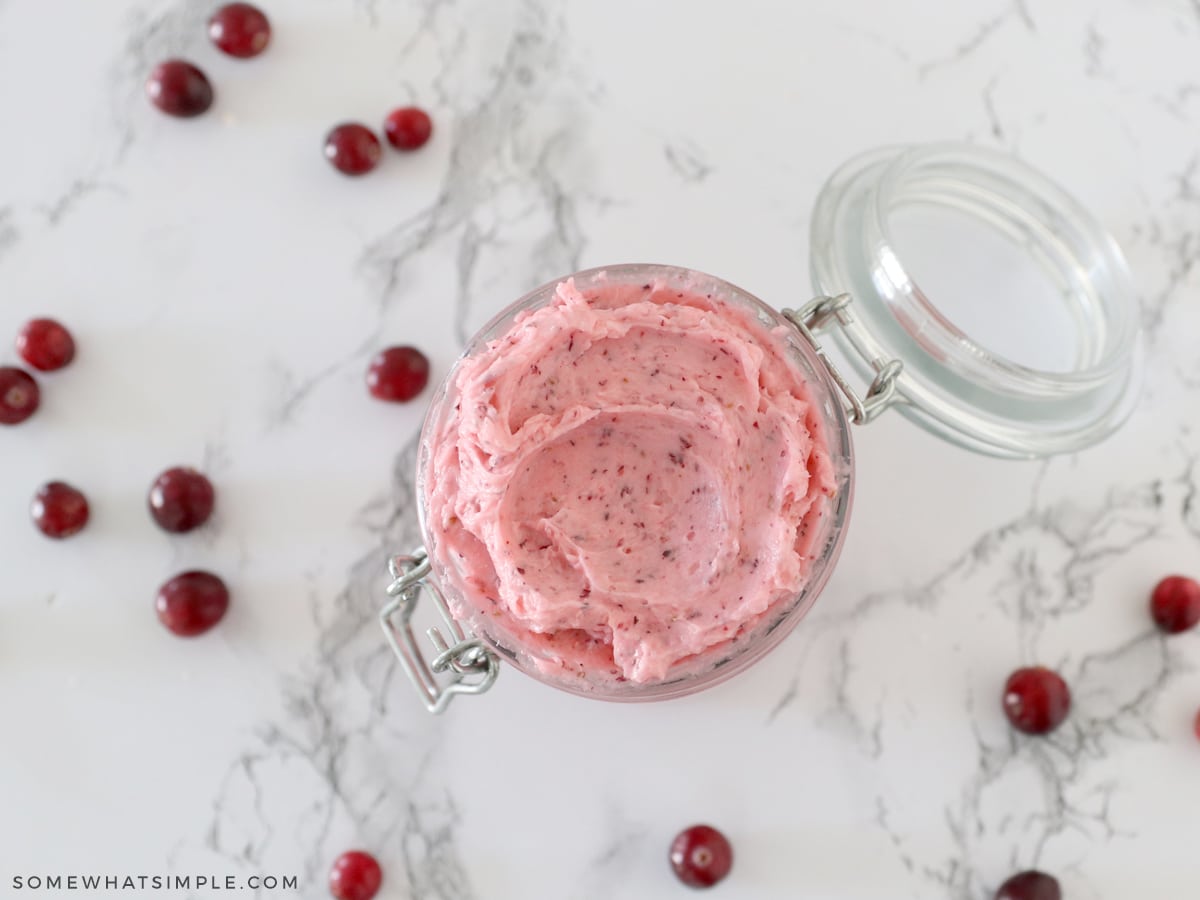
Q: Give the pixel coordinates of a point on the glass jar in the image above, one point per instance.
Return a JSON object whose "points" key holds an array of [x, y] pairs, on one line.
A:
{"points": [[877, 221]]}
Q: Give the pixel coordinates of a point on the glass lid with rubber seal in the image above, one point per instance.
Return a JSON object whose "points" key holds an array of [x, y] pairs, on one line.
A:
{"points": [[1009, 305]]}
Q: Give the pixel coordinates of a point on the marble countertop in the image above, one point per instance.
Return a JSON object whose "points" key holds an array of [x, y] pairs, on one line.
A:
{"points": [[227, 289]]}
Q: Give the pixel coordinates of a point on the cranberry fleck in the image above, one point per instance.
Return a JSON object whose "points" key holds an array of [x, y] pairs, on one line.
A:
{"points": [[1197, 726], [45, 344], [701, 856], [408, 128], [1036, 700], [59, 510], [192, 602], [240, 30], [355, 876], [181, 499], [353, 149], [19, 395], [1175, 604], [398, 374], [1030, 886], [179, 89]]}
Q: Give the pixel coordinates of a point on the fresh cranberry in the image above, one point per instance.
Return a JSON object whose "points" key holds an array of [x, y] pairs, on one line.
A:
{"points": [[1175, 604], [240, 30], [352, 148], [179, 89], [181, 499], [701, 856], [45, 344], [408, 128], [59, 510], [398, 374], [355, 876], [192, 602], [1030, 886], [1036, 700], [19, 395]]}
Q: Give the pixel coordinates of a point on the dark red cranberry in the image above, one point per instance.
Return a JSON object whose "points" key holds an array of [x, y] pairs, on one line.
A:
{"points": [[179, 89], [1175, 604], [181, 499], [398, 374], [19, 395], [1030, 886], [59, 510], [353, 149], [408, 128], [1036, 700], [45, 344], [240, 30], [192, 602], [701, 856], [355, 876]]}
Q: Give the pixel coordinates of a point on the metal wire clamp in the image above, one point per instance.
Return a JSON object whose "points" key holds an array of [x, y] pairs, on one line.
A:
{"points": [[472, 666]]}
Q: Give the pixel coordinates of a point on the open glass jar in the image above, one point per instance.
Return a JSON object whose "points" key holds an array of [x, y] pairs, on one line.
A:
{"points": [[993, 379]]}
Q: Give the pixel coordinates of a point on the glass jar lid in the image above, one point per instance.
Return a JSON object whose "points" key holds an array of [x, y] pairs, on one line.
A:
{"points": [[1009, 305]]}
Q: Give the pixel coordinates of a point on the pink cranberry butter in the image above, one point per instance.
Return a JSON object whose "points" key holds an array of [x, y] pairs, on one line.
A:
{"points": [[633, 479], [637, 479]]}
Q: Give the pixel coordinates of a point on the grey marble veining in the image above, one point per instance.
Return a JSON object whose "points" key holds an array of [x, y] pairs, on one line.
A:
{"points": [[501, 174], [1040, 572], [228, 290]]}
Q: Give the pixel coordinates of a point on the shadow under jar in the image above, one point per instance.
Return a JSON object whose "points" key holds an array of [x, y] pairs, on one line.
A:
{"points": [[637, 479]]}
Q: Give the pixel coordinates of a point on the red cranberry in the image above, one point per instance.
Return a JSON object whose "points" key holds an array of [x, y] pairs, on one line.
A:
{"points": [[181, 499], [240, 30], [352, 148], [355, 876], [59, 510], [1175, 604], [179, 89], [1036, 700], [192, 602], [1198, 725], [1030, 886], [408, 128], [398, 374], [19, 395], [701, 856], [45, 344]]}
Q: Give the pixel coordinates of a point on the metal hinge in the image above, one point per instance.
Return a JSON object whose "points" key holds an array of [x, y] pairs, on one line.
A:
{"points": [[816, 315]]}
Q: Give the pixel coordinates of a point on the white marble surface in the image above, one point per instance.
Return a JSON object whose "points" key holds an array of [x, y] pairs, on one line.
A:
{"points": [[227, 288]]}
